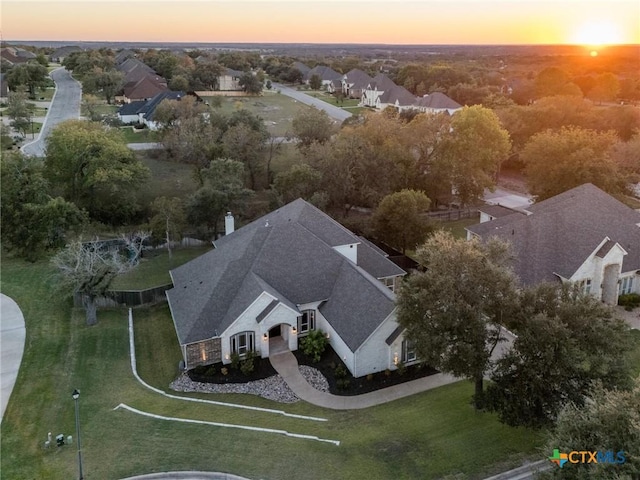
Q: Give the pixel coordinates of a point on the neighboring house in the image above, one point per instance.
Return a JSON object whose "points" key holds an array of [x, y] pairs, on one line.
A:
{"points": [[4, 86], [142, 112], [230, 80], [582, 236], [301, 67], [375, 89], [123, 55], [61, 53], [144, 89], [354, 82], [327, 75], [270, 283], [437, 102], [131, 63], [10, 55]]}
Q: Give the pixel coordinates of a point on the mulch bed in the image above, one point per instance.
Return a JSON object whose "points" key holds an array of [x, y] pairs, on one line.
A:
{"points": [[213, 373], [345, 385]]}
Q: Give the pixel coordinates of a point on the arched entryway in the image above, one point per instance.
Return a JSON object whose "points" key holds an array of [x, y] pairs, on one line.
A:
{"points": [[610, 284], [279, 338]]}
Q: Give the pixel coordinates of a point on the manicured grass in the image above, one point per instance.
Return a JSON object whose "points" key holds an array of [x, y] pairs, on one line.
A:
{"points": [[457, 227], [327, 97], [277, 110], [634, 355], [144, 135], [153, 269], [168, 179], [45, 94], [423, 436]]}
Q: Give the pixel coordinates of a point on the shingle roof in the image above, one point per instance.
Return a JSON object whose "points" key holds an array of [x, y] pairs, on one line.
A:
{"points": [[301, 67], [399, 95], [287, 253], [150, 106], [564, 230], [498, 211], [123, 55], [357, 79], [324, 72], [131, 108], [145, 88], [438, 100], [381, 82]]}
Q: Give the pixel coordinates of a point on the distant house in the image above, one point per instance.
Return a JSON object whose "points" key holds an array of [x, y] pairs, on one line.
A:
{"points": [[61, 53], [123, 55], [144, 89], [270, 283], [354, 82], [437, 102], [301, 67], [229, 80], [142, 112], [326, 74], [10, 55], [381, 92], [582, 236]]}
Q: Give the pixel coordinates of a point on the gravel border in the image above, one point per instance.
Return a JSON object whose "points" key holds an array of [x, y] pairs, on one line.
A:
{"points": [[272, 388]]}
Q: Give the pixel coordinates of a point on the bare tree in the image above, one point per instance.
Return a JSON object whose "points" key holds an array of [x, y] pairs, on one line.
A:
{"points": [[90, 268]]}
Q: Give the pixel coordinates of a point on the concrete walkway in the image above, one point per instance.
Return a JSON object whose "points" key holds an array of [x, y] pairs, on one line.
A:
{"points": [[287, 366], [188, 476], [12, 336]]}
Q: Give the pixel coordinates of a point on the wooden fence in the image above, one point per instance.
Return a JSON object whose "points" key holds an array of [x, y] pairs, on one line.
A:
{"points": [[454, 214]]}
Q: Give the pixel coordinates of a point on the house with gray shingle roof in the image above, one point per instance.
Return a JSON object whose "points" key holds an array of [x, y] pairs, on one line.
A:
{"points": [[276, 279], [142, 112], [327, 75], [354, 82], [437, 102], [582, 236]]}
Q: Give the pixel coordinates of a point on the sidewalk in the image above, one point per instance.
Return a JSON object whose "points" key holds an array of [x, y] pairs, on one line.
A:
{"points": [[287, 366], [12, 336]]}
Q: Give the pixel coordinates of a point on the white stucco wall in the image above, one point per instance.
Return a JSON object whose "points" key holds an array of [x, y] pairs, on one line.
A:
{"points": [[227, 82], [374, 355], [336, 342], [129, 118], [280, 315], [349, 251], [246, 322], [593, 267]]}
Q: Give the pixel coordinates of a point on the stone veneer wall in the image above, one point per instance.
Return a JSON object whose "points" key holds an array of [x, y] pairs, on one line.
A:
{"points": [[204, 353]]}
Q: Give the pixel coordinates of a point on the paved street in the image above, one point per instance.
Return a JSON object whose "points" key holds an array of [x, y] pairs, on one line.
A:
{"points": [[507, 198], [334, 112], [65, 106]]}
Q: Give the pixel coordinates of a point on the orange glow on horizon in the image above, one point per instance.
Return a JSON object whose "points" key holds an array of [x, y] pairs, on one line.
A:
{"points": [[325, 21]]}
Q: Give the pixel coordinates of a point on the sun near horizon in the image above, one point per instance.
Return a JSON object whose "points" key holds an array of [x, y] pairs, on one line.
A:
{"points": [[590, 23]]}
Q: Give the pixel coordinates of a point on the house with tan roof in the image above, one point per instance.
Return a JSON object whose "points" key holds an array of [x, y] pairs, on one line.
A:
{"points": [[267, 285], [582, 236]]}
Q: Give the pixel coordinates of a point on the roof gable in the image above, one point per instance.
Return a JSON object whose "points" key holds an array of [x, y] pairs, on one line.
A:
{"points": [[563, 231]]}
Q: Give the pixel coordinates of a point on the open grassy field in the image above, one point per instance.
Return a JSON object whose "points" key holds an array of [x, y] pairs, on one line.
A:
{"points": [[424, 436], [277, 111]]}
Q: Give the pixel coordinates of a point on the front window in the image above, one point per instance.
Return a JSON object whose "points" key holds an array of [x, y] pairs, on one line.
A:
{"points": [[242, 343], [408, 351], [307, 322], [626, 285], [585, 285], [389, 282]]}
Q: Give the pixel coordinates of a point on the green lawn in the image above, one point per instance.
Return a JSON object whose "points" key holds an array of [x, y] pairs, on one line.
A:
{"points": [[424, 436], [144, 135], [45, 94], [277, 110], [634, 356], [457, 227], [153, 269]]}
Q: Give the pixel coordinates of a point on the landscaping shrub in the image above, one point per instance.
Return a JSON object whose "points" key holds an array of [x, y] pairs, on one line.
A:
{"points": [[247, 365], [340, 372], [235, 361], [314, 345], [629, 301]]}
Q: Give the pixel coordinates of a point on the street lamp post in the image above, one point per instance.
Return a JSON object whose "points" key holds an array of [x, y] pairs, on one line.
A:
{"points": [[76, 395]]}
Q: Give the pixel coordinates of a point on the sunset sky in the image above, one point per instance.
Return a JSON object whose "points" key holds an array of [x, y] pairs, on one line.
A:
{"points": [[326, 21]]}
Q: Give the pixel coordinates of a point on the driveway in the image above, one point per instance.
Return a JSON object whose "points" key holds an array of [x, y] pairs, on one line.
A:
{"points": [[334, 112], [65, 105], [507, 198], [12, 336]]}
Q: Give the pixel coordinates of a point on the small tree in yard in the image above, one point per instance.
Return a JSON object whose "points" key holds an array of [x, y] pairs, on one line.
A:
{"points": [[315, 82], [314, 345], [398, 220], [90, 268]]}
